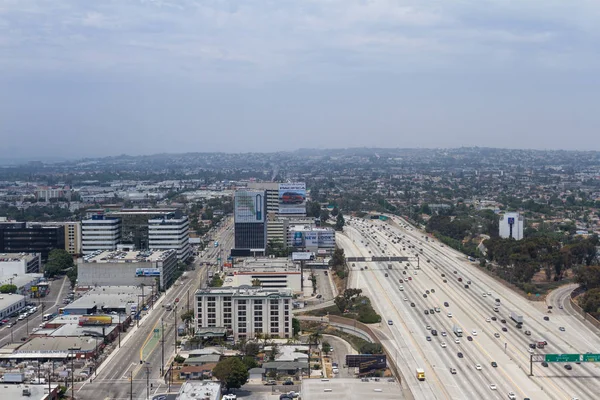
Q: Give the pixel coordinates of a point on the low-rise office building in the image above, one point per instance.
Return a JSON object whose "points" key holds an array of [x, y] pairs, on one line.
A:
{"points": [[128, 268], [100, 233], [107, 299], [245, 311], [11, 304], [273, 273], [171, 231], [19, 263], [27, 284]]}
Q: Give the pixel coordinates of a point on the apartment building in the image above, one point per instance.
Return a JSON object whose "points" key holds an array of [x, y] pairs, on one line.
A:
{"points": [[170, 232], [100, 233], [244, 311]]}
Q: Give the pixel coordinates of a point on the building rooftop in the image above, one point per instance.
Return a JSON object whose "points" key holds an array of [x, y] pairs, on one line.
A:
{"points": [[36, 392], [7, 257], [108, 297], [59, 346], [9, 299], [246, 291], [108, 256], [203, 390], [19, 280], [265, 263]]}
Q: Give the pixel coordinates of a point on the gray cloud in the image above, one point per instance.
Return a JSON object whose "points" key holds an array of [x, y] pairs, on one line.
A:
{"points": [[295, 74]]}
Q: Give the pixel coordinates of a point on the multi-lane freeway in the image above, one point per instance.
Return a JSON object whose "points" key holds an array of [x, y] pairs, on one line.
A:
{"points": [[462, 367], [141, 353]]}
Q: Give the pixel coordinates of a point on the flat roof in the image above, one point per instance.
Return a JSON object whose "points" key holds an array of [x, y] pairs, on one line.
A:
{"points": [[347, 388], [20, 280], [200, 390], [38, 392], [7, 300], [118, 256], [245, 291], [50, 344], [8, 257], [108, 297]]}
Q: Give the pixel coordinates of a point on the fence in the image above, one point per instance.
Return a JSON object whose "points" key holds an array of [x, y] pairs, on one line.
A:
{"points": [[577, 308]]}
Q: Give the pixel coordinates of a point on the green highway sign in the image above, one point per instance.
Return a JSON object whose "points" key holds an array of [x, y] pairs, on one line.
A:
{"points": [[591, 357], [563, 357]]}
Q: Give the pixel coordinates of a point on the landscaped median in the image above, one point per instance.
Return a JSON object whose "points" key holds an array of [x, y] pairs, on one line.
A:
{"points": [[350, 304]]}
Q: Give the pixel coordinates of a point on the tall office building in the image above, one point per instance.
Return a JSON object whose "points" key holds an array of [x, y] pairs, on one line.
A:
{"points": [[249, 223], [100, 233], [19, 237], [134, 224], [511, 225], [170, 231], [72, 235]]}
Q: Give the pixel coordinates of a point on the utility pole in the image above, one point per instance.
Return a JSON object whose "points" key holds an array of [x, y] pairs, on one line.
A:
{"points": [[147, 381], [175, 326], [73, 373], [162, 328], [130, 385]]}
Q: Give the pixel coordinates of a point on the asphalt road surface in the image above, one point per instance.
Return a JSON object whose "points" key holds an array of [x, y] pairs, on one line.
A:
{"points": [[113, 378], [470, 310]]}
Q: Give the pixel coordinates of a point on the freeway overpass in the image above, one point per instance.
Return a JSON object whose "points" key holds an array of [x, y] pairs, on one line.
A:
{"points": [[376, 259]]}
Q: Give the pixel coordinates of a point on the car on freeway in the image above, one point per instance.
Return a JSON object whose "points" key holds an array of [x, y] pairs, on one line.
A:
{"points": [[512, 396], [405, 279], [453, 371], [484, 295], [410, 277], [5, 320], [445, 281], [443, 275], [426, 312], [415, 272], [503, 321], [390, 322], [561, 328], [412, 304], [494, 319], [496, 335], [532, 345], [427, 291], [568, 367], [488, 320], [489, 293], [460, 355], [270, 382], [432, 290], [474, 332], [446, 304], [546, 318], [449, 315], [428, 338], [492, 386], [434, 332], [406, 299], [494, 364], [425, 295], [561, 307], [288, 382], [455, 272], [504, 329], [457, 341], [478, 367], [528, 333], [431, 311], [443, 333], [469, 338], [544, 364], [428, 327]]}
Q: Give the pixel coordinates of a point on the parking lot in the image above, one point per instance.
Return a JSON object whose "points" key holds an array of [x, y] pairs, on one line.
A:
{"points": [[317, 389]]}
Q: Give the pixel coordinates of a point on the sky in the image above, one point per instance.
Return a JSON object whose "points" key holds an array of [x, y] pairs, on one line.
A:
{"points": [[107, 77]]}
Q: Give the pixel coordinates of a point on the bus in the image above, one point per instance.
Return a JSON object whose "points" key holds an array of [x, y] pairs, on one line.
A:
{"points": [[420, 374], [47, 317]]}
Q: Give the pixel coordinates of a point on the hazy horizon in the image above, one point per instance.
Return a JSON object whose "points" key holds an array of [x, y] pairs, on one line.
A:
{"points": [[105, 78]]}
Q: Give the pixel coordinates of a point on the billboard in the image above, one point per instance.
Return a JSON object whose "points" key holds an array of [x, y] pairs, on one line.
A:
{"points": [[249, 206], [292, 198], [366, 362], [94, 320], [298, 239], [311, 239], [326, 239], [147, 272], [303, 256]]}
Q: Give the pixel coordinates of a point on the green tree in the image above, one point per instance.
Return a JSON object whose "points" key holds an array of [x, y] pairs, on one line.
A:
{"points": [[335, 211], [339, 222], [256, 282], [231, 372], [591, 301], [324, 216], [371, 348], [295, 326], [58, 260], [187, 316], [326, 347], [313, 209], [8, 288]]}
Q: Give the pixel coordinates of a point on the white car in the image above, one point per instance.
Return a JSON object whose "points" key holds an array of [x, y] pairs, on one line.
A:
{"points": [[530, 350], [474, 332], [492, 386], [406, 299], [489, 293], [484, 295], [511, 396], [457, 341], [478, 367], [443, 344], [488, 320], [449, 315], [443, 333]]}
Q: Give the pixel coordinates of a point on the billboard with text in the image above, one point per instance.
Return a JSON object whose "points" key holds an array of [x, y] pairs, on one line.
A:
{"points": [[327, 239], [249, 206], [147, 272], [292, 198]]}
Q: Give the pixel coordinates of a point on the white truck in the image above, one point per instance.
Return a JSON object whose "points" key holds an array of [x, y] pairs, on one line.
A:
{"points": [[457, 330], [516, 317]]}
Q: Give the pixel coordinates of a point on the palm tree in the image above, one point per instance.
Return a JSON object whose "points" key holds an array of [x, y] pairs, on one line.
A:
{"points": [[256, 282]]}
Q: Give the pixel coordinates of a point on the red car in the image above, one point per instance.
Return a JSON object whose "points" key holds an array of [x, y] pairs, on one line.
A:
{"points": [[177, 300], [410, 278], [5, 321]]}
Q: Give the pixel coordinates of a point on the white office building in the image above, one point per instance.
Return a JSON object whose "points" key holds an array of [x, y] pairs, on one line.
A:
{"points": [[170, 233], [511, 225], [100, 233], [244, 311]]}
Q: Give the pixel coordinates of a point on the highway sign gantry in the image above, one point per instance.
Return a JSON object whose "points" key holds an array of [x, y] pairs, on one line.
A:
{"points": [[563, 357]]}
